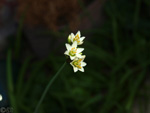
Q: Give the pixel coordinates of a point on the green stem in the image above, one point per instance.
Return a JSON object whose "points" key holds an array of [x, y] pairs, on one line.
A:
{"points": [[48, 86]]}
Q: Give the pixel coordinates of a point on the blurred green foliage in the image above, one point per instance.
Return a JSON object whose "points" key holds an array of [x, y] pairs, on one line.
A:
{"points": [[118, 59]]}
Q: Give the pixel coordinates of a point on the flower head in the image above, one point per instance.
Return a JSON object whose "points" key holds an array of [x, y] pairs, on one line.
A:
{"points": [[78, 64], [73, 51], [76, 38]]}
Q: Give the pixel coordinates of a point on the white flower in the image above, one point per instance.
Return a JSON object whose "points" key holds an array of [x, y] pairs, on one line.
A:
{"points": [[78, 64], [73, 51], [77, 38]]}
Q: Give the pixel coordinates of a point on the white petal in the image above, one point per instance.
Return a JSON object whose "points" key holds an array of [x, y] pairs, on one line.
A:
{"points": [[78, 33], [72, 64], [72, 35], [75, 59], [80, 43], [83, 64], [79, 55], [66, 53], [75, 69], [83, 56], [68, 46], [72, 58], [79, 50], [82, 69], [82, 38], [74, 44]]}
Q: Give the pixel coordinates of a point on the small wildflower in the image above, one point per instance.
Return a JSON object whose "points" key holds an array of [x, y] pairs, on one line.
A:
{"points": [[73, 51], [77, 38], [78, 64]]}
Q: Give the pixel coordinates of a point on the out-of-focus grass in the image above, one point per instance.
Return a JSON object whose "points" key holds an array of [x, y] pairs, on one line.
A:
{"points": [[10, 83], [19, 34], [118, 59]]}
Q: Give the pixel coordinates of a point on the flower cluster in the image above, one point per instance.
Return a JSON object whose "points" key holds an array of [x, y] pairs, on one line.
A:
{"points": [[74, 52]]}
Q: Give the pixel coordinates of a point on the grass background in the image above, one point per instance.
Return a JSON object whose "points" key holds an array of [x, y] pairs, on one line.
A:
{"points": [[115, 79]]}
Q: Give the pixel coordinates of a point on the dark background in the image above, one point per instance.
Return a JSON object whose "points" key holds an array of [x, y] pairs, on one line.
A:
{"points": [[117, 48]]}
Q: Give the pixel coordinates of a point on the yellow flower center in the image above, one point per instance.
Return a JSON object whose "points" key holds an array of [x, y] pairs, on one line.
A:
{"points": [[77, 38], [73, 51], [77, 63]]}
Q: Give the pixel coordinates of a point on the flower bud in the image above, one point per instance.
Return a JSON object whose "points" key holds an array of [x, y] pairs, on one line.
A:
{"points": [[69, 39]]}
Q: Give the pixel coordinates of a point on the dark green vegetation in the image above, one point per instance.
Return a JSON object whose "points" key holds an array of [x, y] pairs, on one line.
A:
{"points": [[118, 58]]}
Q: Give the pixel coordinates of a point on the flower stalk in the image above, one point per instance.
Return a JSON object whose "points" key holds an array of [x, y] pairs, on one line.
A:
{"points": [[47, 88], [75, 55]]}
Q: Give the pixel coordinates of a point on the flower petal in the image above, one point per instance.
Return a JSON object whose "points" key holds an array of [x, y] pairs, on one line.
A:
{"points": [[78, 33], [66, 53], [72, 58], [74, 44], [83, 64], [68, 46], [75, 69], [82, 69], [79, 56], [79, 50], [71, 64], [82, 38], [83, 56], [72, 35], [80, 43]]}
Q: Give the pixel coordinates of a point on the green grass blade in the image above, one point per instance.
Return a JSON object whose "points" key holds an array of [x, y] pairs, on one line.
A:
{"points": [[134, 90], [32, 77], [21, 75], [19, 34], [91, 101], [115, 37], [10, 83], [136, 18]]}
